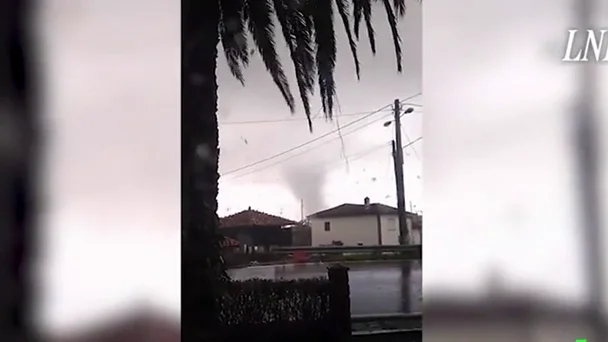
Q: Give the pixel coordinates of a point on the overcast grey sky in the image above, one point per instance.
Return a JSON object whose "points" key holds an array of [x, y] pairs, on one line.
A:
{"points": [[498, 183]]}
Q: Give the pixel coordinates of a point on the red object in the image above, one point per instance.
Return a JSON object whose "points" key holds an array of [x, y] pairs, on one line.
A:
{"points": [[300, 256], [228, 242]]}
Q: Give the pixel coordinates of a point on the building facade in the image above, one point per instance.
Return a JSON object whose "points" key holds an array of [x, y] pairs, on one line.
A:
{"points": [[257, 231], [367, 224]]}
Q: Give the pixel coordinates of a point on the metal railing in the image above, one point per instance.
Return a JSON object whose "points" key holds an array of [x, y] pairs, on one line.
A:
{"points": [[347, 249], [409, 331], [385, 317], [401, 335], [403, 327]]}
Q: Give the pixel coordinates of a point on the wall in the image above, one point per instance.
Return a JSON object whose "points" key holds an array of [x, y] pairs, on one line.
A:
{"points": [[390, 229], [301, 236], [349, 230], [415, 237], [415, 233], [259, 235]]}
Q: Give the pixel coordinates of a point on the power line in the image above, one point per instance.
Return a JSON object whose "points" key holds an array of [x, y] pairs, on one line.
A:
{"points": [[390, 176], [305, 151], [365, 153], [369, 114], [352, 157], [253, 122], [410, 142], [306, 143]]}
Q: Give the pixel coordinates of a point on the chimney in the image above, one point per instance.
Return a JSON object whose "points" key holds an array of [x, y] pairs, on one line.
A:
{"points": [[366, 202]]}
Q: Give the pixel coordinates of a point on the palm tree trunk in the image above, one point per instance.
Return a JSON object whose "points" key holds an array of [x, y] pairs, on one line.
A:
{"points": [[202, 264], [18, 141]]}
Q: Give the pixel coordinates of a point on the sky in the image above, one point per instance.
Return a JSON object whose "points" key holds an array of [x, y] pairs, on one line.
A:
{"points": [[498, 181]]}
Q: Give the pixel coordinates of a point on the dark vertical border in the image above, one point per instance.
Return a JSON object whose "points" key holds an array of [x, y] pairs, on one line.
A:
{"points": [[202, 267], [18, 161]]}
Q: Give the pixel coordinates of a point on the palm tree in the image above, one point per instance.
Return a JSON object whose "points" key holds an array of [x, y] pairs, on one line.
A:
{"points": [[309, 32]]}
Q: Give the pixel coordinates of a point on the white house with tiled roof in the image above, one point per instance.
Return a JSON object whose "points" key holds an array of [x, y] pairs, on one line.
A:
{"points": [[366, 224]]}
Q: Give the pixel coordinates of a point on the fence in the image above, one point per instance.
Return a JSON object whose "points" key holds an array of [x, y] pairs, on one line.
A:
{"points": [[294, 310], [402, 327]]}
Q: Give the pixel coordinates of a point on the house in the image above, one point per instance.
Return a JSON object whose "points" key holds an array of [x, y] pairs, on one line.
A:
{"points": [[301, 234], [414, 226], [362, 224], [256, 230]]}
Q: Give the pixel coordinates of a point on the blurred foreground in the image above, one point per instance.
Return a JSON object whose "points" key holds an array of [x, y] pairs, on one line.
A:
{"points": [[496, 318], [505, 318]]}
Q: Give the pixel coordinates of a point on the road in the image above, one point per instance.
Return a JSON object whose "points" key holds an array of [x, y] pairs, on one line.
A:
{"points": [[375, 287]]}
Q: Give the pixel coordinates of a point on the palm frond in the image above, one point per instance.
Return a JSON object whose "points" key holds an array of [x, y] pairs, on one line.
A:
{"points": [[399, 7], [325, 41], [308, 29], [234, 37], [305, 48], [367, 15], [343, 11], [298, 36], [357, 14], [392, 21], [261, 26]]}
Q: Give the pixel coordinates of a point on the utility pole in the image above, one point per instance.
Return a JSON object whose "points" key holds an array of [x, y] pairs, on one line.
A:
{"points": [[398, 162], [302, 210], [585, 126]]}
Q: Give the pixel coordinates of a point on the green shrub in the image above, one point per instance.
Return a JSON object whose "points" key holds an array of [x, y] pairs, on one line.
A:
{"points": [[268, 309]]}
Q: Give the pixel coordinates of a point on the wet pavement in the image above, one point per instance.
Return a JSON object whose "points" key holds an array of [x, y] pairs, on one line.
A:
{"points": [[375, 287]]}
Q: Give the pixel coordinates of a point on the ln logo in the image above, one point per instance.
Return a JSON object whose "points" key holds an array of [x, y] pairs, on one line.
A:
{"points": [[590, 48]]}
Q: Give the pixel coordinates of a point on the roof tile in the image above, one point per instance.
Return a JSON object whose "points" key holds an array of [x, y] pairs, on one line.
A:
{"points": [[252, 217], [349, 210]]}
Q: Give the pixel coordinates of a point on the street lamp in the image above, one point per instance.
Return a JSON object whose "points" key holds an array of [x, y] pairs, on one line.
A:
{"points": [[407, 111]]}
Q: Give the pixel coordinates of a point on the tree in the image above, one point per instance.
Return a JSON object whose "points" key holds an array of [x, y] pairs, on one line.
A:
{"points": [[308, 29]]}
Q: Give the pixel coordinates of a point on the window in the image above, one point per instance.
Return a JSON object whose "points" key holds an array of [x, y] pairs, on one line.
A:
{"points": [[327, 226]]}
